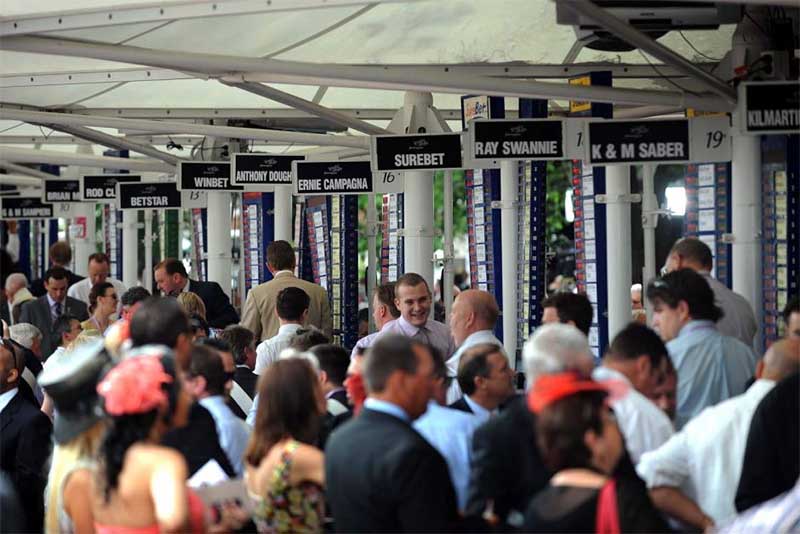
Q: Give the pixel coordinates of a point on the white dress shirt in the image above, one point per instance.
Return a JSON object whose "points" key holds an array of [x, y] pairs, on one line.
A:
{"points": [[644, 426], [705, 458], [481, 413], [366, 341], [268, 350], [476, 338], [7, 397], [233, 432], [435, 333], [80, 290]]}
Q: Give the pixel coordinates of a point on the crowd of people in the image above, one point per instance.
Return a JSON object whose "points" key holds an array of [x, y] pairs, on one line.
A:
{"points": [[126, 412]]}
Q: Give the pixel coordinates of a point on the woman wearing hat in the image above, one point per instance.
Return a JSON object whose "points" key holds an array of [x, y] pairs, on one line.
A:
{"points": [[102, 305], [70, 384], [581, 444]]}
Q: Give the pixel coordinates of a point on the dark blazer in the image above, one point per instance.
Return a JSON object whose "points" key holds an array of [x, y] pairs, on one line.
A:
{"points": [[247, 380], [383, 476], [219, 311], [198, 442], [24, 449], [37, 312], [461, 404], [5, 313], [37, 286], [506, 466]]}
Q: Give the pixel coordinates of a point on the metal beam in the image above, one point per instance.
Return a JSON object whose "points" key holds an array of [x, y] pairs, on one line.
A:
{"points": [[27, 155], [22, 169], [515, 69], [306, 105], [625, 31], [160, 12], [21, 181], [239, 69], [186, 128]]}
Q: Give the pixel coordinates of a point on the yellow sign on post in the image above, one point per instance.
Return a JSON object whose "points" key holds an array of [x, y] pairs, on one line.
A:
{"points": [[578, 106]]}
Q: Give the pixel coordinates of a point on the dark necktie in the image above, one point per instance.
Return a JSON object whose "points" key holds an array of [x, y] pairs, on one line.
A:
{"points": [[56, 310]]}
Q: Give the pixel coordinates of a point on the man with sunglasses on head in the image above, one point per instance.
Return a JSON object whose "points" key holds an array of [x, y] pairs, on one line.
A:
{"points": [[24, 439], [711, 367]]}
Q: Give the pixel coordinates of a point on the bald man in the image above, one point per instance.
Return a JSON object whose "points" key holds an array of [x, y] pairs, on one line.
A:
{"points": [[693, 476], [472, 322]]}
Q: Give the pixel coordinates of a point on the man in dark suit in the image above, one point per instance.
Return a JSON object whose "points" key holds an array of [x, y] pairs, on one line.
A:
{"points": [[60, 256], [24, 439], [486, 380], [171, 277], [44, 311], [242, 344], [333, 363], [381, 474]]}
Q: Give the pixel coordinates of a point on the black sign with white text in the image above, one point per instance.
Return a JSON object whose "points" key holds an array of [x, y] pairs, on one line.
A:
{"points": [[416, 152], [25, 208], [337, 177], [205, 176], [103, 187], [253, 170], [62, 191], [772, 107], [138, 196], [638, 141], [518, 139]]}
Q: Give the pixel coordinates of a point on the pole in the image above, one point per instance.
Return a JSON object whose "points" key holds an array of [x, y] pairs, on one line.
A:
{"points": [[418, 231], [219, 239], [618, 248], [649, 222], [746, 216], [509, 182], [447, 264], [282, 213], [372, 257], [147, 275], [130, 248]]}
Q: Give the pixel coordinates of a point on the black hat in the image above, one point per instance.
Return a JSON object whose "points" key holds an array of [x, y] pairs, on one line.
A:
{"points": [[71, 381]]}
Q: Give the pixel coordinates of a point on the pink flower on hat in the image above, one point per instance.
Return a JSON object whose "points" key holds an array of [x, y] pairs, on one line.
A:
{"points": [[134, 386]]}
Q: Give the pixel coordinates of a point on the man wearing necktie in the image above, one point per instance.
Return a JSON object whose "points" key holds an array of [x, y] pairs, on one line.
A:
{"points": [[43, 312], [414, 300]]}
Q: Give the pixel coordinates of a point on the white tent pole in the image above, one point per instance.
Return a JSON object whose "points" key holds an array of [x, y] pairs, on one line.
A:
{"points": [[282, 213], [130, 248], [21, 181], [185, 128], [509, 184], [22, 169], [147, 275], [275, 71], [219, 232], [28, 155], [447, 263], [649, 222], [639, 39], [306, 105], [618, 248]]}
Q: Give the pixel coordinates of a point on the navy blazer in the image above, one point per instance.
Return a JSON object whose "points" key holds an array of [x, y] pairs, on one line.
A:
{"points": [[461, 404], [219, 311], [37, 313], [25, 446]]}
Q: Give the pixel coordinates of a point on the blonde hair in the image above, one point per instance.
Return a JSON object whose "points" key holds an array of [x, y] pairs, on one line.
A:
{"points": [[83, 338], [192, 304], [65, 457]]}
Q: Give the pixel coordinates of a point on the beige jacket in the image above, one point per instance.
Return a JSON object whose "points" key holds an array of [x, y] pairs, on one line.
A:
{"points": [[259, 308]]}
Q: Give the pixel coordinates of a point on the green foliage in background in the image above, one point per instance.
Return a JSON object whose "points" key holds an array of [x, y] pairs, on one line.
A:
{"points": [[559, 182]]}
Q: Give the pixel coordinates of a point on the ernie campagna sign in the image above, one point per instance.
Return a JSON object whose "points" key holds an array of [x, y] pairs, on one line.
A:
{"points": [[770, 107], [25, 208], [137, 196]]}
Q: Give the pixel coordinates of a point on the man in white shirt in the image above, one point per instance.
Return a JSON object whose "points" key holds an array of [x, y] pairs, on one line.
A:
{"points": [[206, 379], [693, 477], [384, 311], [291, 309], [472, 322], [99, 272], [635, 358], [738, 320]]}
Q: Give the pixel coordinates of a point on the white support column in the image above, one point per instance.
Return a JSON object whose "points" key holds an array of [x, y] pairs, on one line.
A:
{"points": [[372, 257], [447, 270], [147, 275], [509, 183], [746, 216], [618, 247], [418, 230], [219, 240], [282, 213], [130, 248], [649, 222]]}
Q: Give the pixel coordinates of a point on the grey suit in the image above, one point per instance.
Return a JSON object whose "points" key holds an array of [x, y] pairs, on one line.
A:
{"points": [[37, 313]]}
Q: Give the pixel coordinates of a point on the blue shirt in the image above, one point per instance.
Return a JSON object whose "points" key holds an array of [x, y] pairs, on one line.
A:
{"points": [[450, 432], [233, 433], [480, 413], [711, 368], [387, 408]]}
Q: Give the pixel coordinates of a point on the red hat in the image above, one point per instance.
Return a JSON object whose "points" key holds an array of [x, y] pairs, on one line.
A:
{"points": [[550, 388]]}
